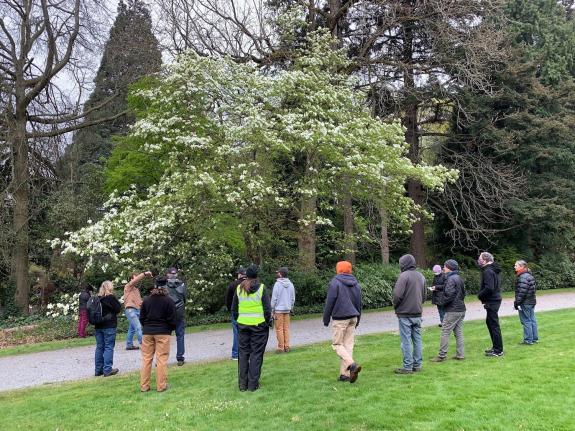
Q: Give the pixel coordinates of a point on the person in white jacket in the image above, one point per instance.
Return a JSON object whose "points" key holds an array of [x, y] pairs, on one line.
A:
{"points": [[283, 299]]}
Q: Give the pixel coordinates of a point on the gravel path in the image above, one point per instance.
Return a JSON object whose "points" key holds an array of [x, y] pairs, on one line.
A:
{"points": [[78, 363]]}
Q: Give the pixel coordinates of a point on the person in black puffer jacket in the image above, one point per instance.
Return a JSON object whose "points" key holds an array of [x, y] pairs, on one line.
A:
{"points": [[454, 304], [525, 301], [105, 331], [490, 296], [437, 291]]}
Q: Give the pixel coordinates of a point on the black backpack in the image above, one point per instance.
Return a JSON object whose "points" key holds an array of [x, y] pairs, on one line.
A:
{"points": [[94, 307]]}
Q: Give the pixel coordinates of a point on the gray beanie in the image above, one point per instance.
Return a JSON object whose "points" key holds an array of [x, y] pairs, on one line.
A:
{"points": [[451, 265]]}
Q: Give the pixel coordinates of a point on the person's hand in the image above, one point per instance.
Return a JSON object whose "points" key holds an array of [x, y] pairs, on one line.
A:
{"points": [[274, 316], [148, 273], [326, 324]]}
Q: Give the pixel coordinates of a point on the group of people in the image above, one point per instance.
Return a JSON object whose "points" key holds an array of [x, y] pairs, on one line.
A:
{"points": [[253, 313]]}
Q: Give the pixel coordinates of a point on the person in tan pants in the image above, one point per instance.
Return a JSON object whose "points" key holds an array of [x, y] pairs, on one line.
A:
{"points": [[158, 318], [343, 307], [283, 299]]}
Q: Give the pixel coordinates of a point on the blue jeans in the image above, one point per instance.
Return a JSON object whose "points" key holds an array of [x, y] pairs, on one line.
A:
{"points": [[135, 326], [180, 333], [235, 352], [529, 322], [104, 357], [441, 311], [410, 332]]}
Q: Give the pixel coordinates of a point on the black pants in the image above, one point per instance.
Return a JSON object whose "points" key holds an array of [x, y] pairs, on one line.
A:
{"points": [[252, 345], [492, 322]]}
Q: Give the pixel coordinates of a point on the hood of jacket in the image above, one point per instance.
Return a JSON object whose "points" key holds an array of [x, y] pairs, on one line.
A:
{"points": [[494, 266], [284, 282], [348, 280], [407, 262]]}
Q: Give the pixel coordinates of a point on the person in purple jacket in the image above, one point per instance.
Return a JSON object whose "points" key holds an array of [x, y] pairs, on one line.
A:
{"points": [[343, 307]]}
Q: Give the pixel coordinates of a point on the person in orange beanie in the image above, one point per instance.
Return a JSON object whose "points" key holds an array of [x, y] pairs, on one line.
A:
{"points": [[343, 307]]}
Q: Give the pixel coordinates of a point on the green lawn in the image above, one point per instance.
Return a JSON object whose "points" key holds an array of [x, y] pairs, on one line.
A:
{"points": [[530, 388], [79, 342]]}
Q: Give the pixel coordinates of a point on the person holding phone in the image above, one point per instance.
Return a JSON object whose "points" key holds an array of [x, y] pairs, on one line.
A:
{"points": [[437, 292]]}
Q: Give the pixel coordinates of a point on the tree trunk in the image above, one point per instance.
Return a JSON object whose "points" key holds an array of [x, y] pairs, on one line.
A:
{"points": [[409, 121], [307, 236], [384, 244], [20, 192], [348, 223], [307, 220]]}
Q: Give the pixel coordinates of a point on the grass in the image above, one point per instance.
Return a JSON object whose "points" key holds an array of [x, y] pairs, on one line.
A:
{"points": [[528, 389], [80, 342]]}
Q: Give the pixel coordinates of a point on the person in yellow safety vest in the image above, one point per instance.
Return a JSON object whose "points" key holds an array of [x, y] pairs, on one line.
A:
{"points": [[252, 310]]}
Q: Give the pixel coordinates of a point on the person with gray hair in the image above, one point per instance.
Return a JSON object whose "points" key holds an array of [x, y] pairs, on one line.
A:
{"points": [[490, 296], [525, 301]]}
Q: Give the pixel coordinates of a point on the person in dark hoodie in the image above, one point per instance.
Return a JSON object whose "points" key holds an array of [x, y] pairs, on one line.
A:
{"points": [[159, 318], [252, 310], [178, 292], [408, 298], [454, 303], [343, 307], [105, 331], [525, 301], [490, 296], [83, 310], [437, 291], [230, 293], [283, 300]]}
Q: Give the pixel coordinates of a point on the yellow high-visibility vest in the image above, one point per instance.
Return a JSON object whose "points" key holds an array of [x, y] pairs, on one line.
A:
{"points": [[250, 307]]}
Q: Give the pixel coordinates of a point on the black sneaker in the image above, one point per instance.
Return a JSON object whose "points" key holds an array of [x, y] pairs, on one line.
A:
{"points": [[416, 369], [494, 354], [181, 362], [489, 351], [111, 373], [403, 371], [343, 378], [132, 348], [354, 370]]}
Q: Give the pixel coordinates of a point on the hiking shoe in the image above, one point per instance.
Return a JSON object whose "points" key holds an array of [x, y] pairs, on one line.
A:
{"points": [[459, 358], [98, 374], [354, 370], [254, 389], [343, 378], [403, 371], [489, 351], [440, 325], [438, 359], [132, 348], [494, 354], [416, 369], [181, 362], [525, 343], [111, 373]]}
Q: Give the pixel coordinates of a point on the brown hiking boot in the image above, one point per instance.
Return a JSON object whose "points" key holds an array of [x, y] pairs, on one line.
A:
{"points": [[403, 371], [354, 370]]}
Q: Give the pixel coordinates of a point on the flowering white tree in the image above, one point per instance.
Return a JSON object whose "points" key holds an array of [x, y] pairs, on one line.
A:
{"points": [[238, 146]]}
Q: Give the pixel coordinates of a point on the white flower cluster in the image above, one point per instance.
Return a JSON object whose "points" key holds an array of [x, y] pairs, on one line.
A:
{"points": [[66, 305]]}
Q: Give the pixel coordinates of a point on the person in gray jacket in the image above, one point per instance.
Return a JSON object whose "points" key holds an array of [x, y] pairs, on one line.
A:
{"points": [[283, 300], [178, 292], [454, 304], [408, 298]]}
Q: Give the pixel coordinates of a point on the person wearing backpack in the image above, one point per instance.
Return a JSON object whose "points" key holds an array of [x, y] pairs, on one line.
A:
{"points": [[83, 310], [158, 317], [178, 292], [132, 304], [103, 311]]}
